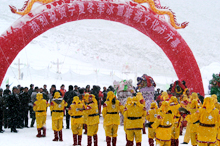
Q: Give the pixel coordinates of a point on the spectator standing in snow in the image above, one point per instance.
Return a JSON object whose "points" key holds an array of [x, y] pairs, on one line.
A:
{"points": [[69, 98], [157, 93], [1, 110], [104, 92], [13, 105], [76, 90], [62, 90], [45, 89], [31, 89], [6, 109], [25, 100], [7, 90], [45, 96]]}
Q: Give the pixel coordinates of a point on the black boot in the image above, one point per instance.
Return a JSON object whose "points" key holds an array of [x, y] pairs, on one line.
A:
{"points": [[32, 122]]}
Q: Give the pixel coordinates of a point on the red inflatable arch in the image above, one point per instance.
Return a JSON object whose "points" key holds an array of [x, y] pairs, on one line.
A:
{"points": [[45, 17]]}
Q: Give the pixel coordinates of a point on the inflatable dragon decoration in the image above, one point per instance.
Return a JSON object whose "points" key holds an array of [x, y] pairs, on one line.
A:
{"points": [[153, 6]]}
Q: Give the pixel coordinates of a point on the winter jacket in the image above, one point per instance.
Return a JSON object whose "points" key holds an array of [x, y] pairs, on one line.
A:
{"points": [[25, 100], [111, 111], [164, 122], [57, 106], [134, 114], [68, 97], [92, 112], [40, 106], [207, 128], [76, 112]]}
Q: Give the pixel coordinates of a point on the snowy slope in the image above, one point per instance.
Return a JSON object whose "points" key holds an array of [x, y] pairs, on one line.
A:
{"points": [[87, 45]]}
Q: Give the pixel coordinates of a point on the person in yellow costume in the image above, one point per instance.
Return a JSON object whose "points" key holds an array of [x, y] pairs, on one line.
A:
{"points": [[85, 116], [163, 125], [92, 112], [142, 101], [110, 113], [194, 106], [151, 117], [57, 106], [195, 96], [128, 102], [215, 100], [165, 96], [185, 103], [76, 112], [174, 107], [209, 119], [134, 114], [40, 108]]}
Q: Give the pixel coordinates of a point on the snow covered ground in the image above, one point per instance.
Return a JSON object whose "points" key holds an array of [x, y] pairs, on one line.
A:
{"points": [[27, 136]]}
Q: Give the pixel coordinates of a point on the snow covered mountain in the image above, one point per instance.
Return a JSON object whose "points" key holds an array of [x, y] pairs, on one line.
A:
{"points": [[97, 46]]}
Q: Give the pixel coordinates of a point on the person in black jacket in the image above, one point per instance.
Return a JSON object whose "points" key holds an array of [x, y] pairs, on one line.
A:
{"points": [[6, 115], [25, 100], [31, 89], [68, 97], [7, 90], [1, 110], [13, 106]]}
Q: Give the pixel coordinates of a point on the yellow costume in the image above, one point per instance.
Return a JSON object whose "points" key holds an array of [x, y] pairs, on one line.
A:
{"points": [[76, 113], [193, 125], [128, 102], [215, 100], [134, 114], [92, 120], [110, 113], [208, 116], [151, 117], [174, 107], [85, 116], [185, 103], [142, 101], [40, 108], [57, 106], [163, 125]]}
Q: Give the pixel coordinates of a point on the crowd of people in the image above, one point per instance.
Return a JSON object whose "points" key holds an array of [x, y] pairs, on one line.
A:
{"points": [[166, 118]]}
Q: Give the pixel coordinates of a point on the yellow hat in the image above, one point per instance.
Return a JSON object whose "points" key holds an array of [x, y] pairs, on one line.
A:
{"points": [[173, 99], [139, 96], [153, 105], [185, 97], [165, 107], [194, 96], [110, 96], [39, 96], [165, 95], [76, 100], [57, 95], [194, 104], [208, 104], [214, 98]]}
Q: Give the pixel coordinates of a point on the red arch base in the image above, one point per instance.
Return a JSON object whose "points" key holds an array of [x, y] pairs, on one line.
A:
{"points": [[132, 14]]}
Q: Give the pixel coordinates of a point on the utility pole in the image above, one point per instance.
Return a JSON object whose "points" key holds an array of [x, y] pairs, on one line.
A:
{"points": [[58, 65], [19, 68]]}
